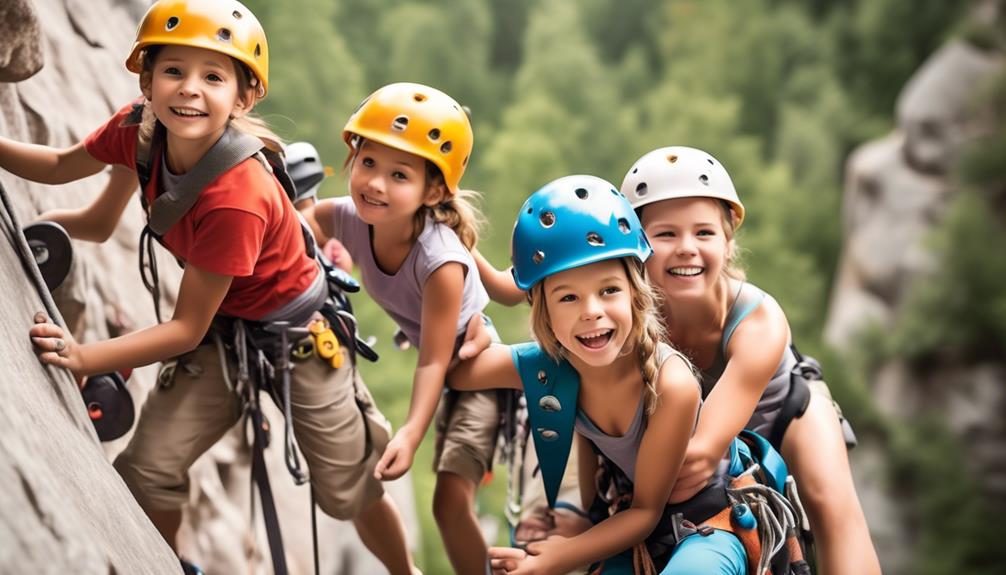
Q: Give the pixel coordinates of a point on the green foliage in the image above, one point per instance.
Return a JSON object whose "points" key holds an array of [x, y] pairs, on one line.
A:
{"points": [[955, 518], [961, 310]]}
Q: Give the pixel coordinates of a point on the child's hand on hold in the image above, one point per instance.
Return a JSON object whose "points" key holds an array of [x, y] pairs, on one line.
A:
{"points": [[699, 466], [54, 346], [511, 561], [397, 458]]}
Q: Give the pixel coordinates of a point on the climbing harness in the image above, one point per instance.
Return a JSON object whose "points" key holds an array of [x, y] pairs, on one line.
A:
{"points": [[265, 353]]}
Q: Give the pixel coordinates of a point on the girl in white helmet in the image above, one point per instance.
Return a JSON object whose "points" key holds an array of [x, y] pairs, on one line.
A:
{"points": [[739, 338]]}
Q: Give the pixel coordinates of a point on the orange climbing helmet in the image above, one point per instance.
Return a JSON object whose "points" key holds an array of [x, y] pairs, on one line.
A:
{"points": [[224, 26], [419, 120]]}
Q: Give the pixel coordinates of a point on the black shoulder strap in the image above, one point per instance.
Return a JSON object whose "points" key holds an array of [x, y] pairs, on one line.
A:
{"points": [[230, 150]]}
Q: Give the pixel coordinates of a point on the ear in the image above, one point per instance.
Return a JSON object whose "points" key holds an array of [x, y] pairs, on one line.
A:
{"points": [[245, 103], [436, 192]]}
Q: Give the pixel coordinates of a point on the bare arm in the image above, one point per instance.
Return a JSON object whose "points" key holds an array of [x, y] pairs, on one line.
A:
{"points": [[97, 221], [753, 354], [490, 369], [319, 216], [441, 308], [199, 297], [658, 461], [499, 284], [45, 164]]}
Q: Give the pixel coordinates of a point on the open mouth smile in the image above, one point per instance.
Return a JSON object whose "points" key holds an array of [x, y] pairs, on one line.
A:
{"points": [[188, 113], [686, 271], [596, 339], [368, 200]]}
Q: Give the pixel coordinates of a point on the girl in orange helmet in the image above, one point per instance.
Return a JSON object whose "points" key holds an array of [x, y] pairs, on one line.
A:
{"points": [[409, 228], [203, 65]]}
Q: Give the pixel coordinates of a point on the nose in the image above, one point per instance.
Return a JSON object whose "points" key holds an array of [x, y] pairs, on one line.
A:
{"points": [[686, 245], [187, 87], [591, 308]]}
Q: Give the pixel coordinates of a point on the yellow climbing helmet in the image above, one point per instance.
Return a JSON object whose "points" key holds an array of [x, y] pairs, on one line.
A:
{"points": [[224, 26], [419, 120]]}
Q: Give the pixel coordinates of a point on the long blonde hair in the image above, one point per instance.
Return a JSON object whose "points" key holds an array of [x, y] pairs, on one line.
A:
{"points": [[249, 123], [646, 333], [732, 267]]}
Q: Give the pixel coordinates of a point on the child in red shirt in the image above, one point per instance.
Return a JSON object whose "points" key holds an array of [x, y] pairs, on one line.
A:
{"points": [[203, 65]]}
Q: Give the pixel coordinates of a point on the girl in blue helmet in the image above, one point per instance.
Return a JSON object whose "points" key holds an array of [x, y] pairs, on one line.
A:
{"points": [[600, 373]]}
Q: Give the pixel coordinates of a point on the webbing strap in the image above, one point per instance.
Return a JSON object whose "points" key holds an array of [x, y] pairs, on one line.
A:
{"points": [[261, 476], [231, 149]]}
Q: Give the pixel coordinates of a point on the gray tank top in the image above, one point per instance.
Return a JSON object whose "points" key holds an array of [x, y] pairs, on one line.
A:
{"points": [[749, 297], [622, 449], [401, 294]]}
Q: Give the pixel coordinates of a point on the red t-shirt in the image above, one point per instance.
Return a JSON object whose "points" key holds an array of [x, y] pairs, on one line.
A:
{"points": [[242, 225]]}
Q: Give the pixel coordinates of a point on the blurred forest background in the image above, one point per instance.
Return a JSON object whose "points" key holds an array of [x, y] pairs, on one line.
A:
{"points": [[781, 91]]}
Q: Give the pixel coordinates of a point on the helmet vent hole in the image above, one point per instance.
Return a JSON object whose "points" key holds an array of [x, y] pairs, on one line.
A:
{"points": [[258, 50], [711, 162], [445, 148], [635, 170], [172, 23], [704, 179], [237, 15], [465, 161], [623, 226], [224, 34], [672, 158], [595, 239], [582, 193], [547, 219], [400, 123], [434, 134], [538, 257], [529, 210], [419, 97], [641, 189]]}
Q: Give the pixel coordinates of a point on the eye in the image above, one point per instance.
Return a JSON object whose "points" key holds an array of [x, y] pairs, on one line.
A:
{"points": [[214, 78], [172, 71], [367, 162], [664, 234], [400, 176], [611, 290], [706, 233], [568, 298]]}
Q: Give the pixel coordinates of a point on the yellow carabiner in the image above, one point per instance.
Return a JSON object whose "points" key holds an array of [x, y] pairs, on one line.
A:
{"points": [[326, 345]]}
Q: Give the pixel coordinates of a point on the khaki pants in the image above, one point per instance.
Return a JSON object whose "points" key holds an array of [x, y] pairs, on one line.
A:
{"points": [[193, 408], [467, 423]]}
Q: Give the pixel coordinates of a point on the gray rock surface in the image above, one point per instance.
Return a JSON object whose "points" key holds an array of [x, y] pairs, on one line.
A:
{"points": [[897, 190]]}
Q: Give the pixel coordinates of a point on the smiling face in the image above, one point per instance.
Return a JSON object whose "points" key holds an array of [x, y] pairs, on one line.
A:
{"points": [[590, 311], [389, 186], [194, 92], [690, 245]]}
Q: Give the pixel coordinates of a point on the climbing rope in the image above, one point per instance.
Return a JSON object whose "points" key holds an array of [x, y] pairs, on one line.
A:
{"points": [[16, 235]]}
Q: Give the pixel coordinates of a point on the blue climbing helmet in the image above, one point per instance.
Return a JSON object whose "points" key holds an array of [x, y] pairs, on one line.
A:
{"points": [[571, 222]]}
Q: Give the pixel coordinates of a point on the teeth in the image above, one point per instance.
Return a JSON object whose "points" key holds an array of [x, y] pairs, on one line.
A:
{"points": [[594, 334], [183, 112], [372, 202], [596, 339], [685, 271]]}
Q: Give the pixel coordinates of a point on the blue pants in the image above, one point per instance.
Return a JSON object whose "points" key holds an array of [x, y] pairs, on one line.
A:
{"points": [[718, 554]]}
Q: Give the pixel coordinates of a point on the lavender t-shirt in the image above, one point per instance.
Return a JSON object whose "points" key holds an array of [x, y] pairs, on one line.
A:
{"points": [[401, 294]]}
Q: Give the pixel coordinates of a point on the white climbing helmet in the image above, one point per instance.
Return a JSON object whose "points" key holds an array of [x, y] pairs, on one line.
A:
{"points": [[680, 172]]}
